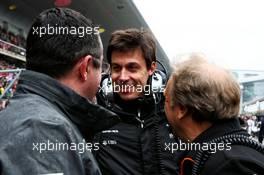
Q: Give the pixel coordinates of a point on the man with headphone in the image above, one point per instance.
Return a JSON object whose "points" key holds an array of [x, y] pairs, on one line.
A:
{"points": [[136, 145]]}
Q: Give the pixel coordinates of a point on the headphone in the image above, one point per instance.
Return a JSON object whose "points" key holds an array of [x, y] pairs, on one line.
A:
{"points": [[156, 85]]}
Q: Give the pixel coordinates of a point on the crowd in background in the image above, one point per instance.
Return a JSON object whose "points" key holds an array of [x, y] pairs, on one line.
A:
{"points": [[10, 37], [11, 42], [5, 79], [253, 124], [14, 43]]}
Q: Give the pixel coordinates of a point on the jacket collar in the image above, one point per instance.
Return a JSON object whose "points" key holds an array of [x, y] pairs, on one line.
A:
{"points": [[130, 109], [218, 129], [78, 109], [132, 106]]}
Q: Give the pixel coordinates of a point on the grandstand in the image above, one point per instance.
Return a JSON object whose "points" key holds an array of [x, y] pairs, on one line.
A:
{"points": [[12, 59]]}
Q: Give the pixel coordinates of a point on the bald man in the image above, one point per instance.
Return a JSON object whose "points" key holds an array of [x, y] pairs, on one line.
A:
{"points": [[202, 105]]}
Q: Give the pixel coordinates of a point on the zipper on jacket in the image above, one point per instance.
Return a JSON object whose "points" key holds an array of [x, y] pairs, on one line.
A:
{"points": [[139, 119]]}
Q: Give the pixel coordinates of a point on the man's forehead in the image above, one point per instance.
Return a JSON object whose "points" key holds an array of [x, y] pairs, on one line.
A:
{"points": [[133, 57], [126, 63], [127, 57], [136, 52]]}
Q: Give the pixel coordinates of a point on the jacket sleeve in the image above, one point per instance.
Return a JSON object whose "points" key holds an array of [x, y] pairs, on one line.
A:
{"points": [[46, 147]]}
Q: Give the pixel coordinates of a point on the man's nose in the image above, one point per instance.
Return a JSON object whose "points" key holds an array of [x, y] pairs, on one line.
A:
{"points": [[123, 75]]}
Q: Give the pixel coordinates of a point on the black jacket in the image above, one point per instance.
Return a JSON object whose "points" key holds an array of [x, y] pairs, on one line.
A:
{"points": [[136, 145], [241, 159], [43, 114]]}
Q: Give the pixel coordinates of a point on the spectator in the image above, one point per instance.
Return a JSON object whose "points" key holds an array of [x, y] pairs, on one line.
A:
{"points": [[3, 104], [261, 131], [2, 90], [250, 123]]}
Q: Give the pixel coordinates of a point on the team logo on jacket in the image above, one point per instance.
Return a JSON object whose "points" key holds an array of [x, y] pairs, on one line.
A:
{"points": [[110, 131]]}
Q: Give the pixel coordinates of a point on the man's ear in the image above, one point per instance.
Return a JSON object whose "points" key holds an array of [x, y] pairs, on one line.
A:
{"points": [[153, 67], [181, 111], [85, 67]]}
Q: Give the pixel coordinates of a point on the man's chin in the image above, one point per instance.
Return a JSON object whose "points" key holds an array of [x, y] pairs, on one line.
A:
{"points": [[128, 96]]}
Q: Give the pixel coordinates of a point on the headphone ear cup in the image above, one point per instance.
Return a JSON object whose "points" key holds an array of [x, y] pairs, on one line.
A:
{"points": [[158, 81], [107, 87]]}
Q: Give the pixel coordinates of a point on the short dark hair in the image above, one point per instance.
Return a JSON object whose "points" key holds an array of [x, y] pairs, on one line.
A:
{"points": [[56, 54], [131, 39]]}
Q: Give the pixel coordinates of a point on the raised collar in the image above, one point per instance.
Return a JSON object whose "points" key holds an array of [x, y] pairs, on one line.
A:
{"points": [[218, 129], [78, 109]]}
